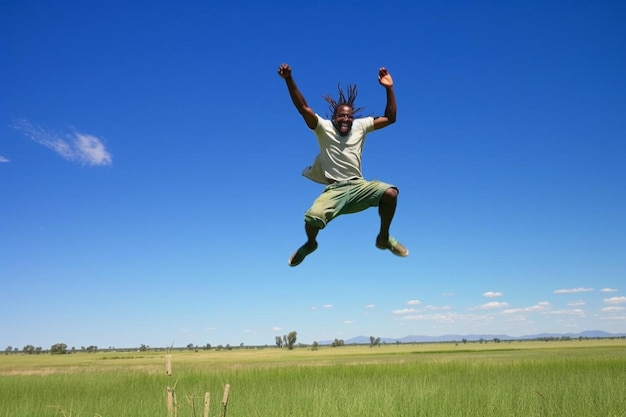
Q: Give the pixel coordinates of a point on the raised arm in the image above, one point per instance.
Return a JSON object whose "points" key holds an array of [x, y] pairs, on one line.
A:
{"points": [[384, 78], [303, 108]]}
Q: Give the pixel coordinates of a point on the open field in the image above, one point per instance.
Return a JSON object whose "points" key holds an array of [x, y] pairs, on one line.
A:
{"points": [[568, 378]]}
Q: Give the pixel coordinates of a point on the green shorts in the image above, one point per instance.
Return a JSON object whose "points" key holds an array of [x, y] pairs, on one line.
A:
{"points": [[345, 197]]}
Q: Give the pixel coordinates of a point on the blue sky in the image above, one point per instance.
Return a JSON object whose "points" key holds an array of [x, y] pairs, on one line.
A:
{"points": [[150, 163]]}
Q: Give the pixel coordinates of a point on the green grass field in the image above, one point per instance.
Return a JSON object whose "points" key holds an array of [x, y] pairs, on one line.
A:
{"points": [[571, 378]]}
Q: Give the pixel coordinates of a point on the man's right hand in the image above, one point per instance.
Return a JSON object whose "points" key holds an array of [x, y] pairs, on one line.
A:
{"points": [[284, 71]]}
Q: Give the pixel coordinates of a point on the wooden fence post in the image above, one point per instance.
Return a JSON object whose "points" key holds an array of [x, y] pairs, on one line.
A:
{"points": [[168, 365], [170, 402], [225, 399], [172, 410], [207, 403]]}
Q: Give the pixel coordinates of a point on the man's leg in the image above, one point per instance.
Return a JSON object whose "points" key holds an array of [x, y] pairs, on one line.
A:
{"points": [[311, 234], [309, 247], [386, 211]]}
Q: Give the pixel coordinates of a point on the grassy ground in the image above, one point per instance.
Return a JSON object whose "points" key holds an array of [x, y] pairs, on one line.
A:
{"points": [[574, 378]]}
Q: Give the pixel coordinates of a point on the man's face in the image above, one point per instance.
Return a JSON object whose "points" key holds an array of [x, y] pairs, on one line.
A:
{"points": [[343, 118]]}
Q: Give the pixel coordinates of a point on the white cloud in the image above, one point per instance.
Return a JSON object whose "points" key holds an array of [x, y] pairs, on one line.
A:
{"points": [[327, 306], [435, 308], [571, 312], [577, 303], [542, 306], [614, 317], [573, 290], [446, 318], [413, 302], [348, 322], [3, 159], [608, 290], [490, 305], [447, 294], [75, 146], [404, 311], [613, 309], [615, 300], [276, 329], [492, 294], [370, 306]]}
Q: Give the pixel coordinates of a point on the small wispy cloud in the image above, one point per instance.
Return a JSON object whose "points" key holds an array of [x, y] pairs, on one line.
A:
{"points": [[370, 306], [75, 146], [576, 303], [570, 312], [413, 302], [490, 305], [613, 309], [348, 322], [573, 290], [440, 318], [608, 290], [276, 329], [615, 300], [327, 306], [437, 308], [404, 311], [492, 294], [541, 306], [3, 159]]}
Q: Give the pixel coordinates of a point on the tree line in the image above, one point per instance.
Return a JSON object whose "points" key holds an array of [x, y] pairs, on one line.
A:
{"points": [[286, 341]]}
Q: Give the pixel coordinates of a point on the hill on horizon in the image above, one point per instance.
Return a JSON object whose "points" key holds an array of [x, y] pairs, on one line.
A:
{"points": [[589, 334]]}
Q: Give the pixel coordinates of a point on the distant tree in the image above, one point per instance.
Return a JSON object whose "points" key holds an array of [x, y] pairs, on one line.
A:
{"points": [[58, 349], [291, 339], [29, 349], [279, 341], [338, 342], [190, 346], [464, 341], [374, 341], [38, 350], [315, 346], [143, 348], [8, 350]]}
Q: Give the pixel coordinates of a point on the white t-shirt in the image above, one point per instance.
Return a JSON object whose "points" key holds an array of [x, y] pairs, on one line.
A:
{"points": [[340, 156]]}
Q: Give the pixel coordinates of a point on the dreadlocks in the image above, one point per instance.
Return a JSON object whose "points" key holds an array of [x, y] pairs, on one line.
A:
{"points": [[349, 101]]}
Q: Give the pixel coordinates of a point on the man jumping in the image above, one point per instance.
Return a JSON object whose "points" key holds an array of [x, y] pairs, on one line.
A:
{"points": [[338, 166]]}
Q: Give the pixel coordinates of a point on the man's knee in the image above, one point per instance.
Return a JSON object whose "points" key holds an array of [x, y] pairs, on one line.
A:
{"points": [[390, 194], [314, 220]]}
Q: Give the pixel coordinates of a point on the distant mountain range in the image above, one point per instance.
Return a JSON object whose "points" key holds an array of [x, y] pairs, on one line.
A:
{"points": [[590, 334]]}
